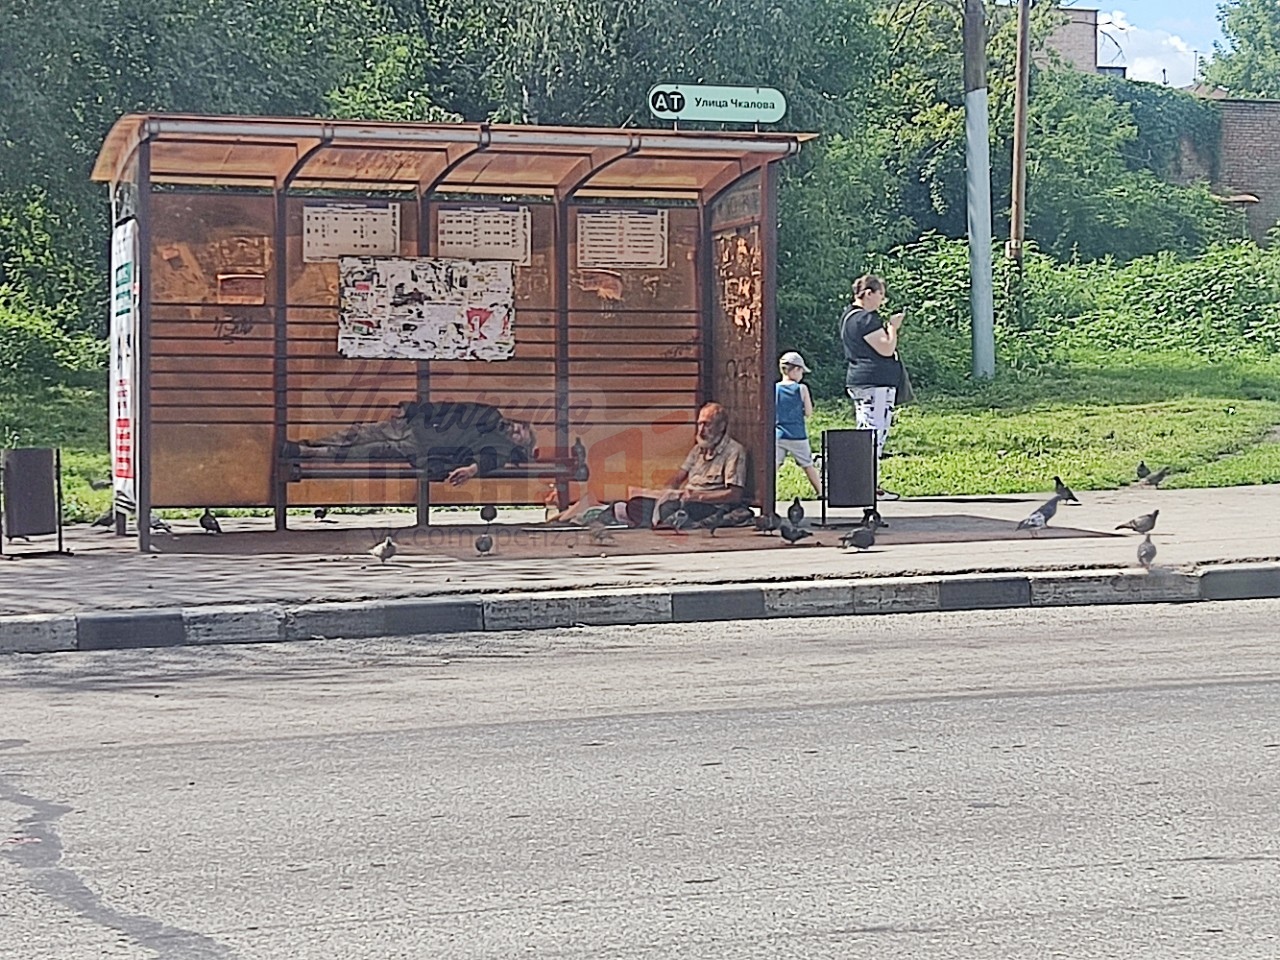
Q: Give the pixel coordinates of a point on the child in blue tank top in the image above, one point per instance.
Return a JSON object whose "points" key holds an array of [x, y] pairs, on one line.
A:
{"points": [[793, 406]]}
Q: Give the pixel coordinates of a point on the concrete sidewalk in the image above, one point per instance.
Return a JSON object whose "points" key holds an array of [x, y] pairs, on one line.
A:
{"points": [[937, 554]]}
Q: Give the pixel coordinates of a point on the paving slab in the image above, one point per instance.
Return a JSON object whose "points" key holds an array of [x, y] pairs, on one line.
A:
{"points": [[318, 580]]}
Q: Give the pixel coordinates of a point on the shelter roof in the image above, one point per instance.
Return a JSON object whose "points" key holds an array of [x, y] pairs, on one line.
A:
{"points": [[455, 158]]}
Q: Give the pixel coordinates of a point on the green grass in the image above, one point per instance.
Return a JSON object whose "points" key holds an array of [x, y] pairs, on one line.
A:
{"points": [[73, 418], [1089, 421]]}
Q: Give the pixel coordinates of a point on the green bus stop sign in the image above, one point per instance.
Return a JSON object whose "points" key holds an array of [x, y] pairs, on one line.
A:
{"points": [[683, 101]]}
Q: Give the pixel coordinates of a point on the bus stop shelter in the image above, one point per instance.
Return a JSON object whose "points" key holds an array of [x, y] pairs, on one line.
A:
{"points": [[642, 284]]}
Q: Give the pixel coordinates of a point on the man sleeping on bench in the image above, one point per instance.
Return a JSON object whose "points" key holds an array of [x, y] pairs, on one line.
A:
{"points": [[447, 440]]}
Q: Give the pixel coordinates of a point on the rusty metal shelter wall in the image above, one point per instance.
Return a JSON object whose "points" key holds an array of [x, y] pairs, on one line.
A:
{"points": [[239, 351]]}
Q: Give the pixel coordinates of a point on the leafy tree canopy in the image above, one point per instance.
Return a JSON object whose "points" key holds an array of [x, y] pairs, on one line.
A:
{"points": [[1249, 63]]}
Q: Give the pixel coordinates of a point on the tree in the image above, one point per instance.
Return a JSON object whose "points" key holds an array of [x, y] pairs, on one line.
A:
{"points": [[1249, 64]]}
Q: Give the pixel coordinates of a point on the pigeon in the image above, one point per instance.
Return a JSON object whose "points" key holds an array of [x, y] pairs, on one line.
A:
{"points": [[484, 544], [1040, 517], [108, 519], [861, 537], [677, 520], [101, 484], [1143, 524], [1063, 492], [488, 513], [1146, 552], [385, 550], [767, 523], [1143, 470], [209, 523], [795, 512], [794, 535], [598, 530], [320, 513], [159, 524], [712, 523], [1155, 479]]}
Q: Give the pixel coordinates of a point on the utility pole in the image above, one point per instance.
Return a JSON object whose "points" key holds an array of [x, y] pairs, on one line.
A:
{"points": [[1018, 208], [978, 182]]}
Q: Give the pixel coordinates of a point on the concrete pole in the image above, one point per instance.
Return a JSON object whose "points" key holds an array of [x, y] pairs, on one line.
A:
{"points": [[978, 166]]}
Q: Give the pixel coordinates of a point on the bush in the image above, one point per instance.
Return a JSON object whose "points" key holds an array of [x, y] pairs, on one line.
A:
{"points": [[34, 348]]}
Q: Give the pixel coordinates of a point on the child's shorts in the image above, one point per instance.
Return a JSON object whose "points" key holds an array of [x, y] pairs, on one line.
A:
{"points": [[797, 448]]}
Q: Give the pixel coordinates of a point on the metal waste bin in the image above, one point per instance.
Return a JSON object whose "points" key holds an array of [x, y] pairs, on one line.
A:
{"points": [[31, 489], [849, 472]]}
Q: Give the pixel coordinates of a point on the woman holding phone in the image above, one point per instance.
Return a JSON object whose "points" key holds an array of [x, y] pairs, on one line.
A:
{"points": [[874, 370]]}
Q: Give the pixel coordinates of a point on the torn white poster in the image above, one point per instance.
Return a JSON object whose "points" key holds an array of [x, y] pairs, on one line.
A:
{"points": [[426, 308]]}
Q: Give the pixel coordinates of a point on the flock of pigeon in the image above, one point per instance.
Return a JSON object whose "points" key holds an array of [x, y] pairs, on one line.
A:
{"points": [[791, 529], [1039, 518]]}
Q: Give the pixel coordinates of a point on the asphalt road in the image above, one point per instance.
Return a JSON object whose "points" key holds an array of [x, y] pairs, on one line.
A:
{"points": [[1096, 782]]}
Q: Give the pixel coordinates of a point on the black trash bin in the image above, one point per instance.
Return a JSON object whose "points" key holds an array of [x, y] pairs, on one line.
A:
{"points": [[31, 490], [849, 472]]}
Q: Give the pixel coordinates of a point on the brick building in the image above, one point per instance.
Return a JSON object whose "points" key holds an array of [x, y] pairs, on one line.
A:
{"points": [[1249, 159], [1076, 40]]}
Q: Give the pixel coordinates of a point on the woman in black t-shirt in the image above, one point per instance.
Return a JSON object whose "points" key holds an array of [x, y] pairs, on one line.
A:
{"points": [[874, 370]]}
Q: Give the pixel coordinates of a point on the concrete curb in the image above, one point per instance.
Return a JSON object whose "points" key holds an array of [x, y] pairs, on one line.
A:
{"points": [[259, 623]]}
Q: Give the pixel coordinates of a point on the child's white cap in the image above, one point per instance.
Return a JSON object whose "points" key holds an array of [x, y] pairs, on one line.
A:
{"points": [[793, 359]]}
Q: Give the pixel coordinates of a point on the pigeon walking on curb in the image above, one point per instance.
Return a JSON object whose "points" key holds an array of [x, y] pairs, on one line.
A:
{"points": [[1146, 552], [1143, 470], [1154, 479], [385, 550], [1143, 524], [864, 538], [795, 512], [1063, 492], [1040, 517], [488, 513], [484, 544], [794, 535], [320, 513], [108, 518], [159, 524], [209, 523]]}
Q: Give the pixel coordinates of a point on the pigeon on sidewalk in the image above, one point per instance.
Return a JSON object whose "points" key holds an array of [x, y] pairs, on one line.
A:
{"points": [[864, 538], [768, 523], [1143, 524], [385, 550], [484, 544], [1146, 552], [1040, 517], [1063, 492], [794, 535], [713, 522], [209, 523], [159, 525], [795, 512]]}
